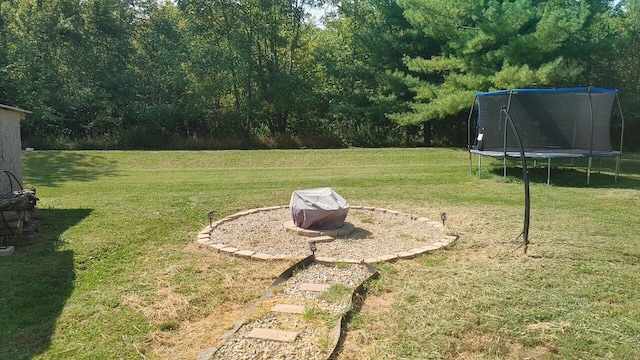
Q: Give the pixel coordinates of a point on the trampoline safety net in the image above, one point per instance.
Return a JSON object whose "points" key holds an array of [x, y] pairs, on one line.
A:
{"points": [[570, 121]]}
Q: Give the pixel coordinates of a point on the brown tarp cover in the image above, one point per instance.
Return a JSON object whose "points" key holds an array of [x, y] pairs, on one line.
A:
{"points": [[318, 209]]}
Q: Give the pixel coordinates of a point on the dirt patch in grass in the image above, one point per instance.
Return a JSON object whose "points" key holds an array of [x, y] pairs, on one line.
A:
{"points": [[381, 303], [474, 344], [358, 340], [191, 305]]}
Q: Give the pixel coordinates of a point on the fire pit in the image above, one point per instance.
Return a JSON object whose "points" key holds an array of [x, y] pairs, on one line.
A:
{"points": [[318, 209]]}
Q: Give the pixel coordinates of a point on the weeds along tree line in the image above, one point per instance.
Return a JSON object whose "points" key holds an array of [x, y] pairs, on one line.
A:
{"points": [[251, 73]]}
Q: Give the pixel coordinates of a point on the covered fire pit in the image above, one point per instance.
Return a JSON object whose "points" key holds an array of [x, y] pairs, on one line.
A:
{"points": [[318, 209]]}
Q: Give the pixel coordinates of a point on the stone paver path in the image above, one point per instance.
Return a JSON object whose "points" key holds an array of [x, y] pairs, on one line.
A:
{"points": [[299, 318]]}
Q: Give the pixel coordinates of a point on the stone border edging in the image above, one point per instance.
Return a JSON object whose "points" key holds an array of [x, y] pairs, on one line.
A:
{"points": [[205, 240]]}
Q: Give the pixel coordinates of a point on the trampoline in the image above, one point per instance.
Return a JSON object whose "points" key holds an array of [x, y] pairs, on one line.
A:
{"points": [[552, 124]]}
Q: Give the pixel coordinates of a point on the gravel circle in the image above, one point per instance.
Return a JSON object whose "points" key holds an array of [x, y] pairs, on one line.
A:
{"points": [[377, 233]]}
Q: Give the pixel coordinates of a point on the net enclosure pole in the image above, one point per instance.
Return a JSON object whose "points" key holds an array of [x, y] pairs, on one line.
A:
{"points": [[504, 154], [469, 134], [504, 158], [621, 137], [591, 145], [525, 178]]}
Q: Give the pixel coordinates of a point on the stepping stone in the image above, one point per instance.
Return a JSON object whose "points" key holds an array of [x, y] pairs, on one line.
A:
{"points": [[314, 287], [351, 261], [323, 259], [261, 256], [289, 309], [321, 239], [229, 249], [418, 251], [388, 257], [244, 253], [273, 335], [219, 246]]}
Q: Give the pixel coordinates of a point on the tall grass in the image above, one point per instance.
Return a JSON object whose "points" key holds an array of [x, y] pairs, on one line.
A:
{"points": [[115, 271]]}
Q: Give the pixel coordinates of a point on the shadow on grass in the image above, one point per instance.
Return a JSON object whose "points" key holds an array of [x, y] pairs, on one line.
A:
{"points": [[50, 168], [35, 284], [567, 174]]}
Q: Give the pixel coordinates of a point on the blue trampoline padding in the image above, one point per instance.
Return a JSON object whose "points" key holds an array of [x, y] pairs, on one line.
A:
{"points": [[559, 90]]}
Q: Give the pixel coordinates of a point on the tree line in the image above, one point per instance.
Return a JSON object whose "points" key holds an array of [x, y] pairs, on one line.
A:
{"points": [[256, 73]]}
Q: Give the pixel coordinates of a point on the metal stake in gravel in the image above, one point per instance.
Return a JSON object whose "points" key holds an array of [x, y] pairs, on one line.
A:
{"points": [[210, 215], [313, 248]]}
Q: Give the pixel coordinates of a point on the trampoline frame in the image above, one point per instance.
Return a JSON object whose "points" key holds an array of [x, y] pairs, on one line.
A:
{"points": [[548, 153]]}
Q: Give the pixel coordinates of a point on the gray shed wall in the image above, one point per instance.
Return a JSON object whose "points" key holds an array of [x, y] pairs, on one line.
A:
{"points": [[10, 145]]}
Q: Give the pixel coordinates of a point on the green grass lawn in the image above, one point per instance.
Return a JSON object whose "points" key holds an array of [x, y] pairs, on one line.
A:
{"points": [[116, 273]]}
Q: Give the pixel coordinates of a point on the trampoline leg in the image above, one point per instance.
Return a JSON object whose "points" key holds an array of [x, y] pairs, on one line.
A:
{"points": [[589, 171], [479, 165], [617, 166], [504, 167], [548, 170]]}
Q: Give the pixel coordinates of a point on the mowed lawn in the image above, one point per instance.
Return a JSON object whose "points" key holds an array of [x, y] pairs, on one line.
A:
{"points": [[116, 273]]}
